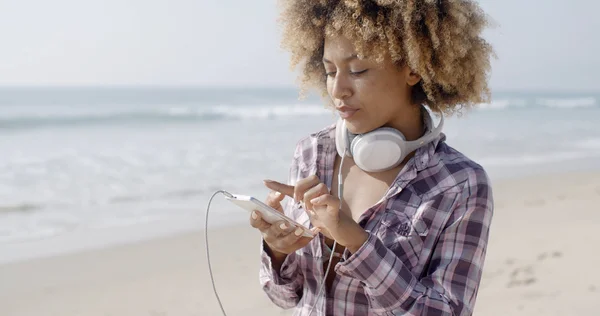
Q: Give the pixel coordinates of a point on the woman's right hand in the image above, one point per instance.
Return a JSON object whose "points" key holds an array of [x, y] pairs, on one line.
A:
{"points": [[280, 237]]}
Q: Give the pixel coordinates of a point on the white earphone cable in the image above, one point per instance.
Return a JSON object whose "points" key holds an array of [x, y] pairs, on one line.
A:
{"points": [[340, 193], [207, 252]]}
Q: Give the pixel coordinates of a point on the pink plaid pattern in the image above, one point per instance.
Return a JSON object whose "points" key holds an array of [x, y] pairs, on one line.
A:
{"points": [[426, 246]]}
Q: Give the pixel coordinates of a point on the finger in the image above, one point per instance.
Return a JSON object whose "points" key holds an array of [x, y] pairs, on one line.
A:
{"points": [[274, 199], [303, 240], [293, 236], [257, 222], [278, 230], [280, 187], [315, 230], [312, 193], [304, 185], [328, 200]]}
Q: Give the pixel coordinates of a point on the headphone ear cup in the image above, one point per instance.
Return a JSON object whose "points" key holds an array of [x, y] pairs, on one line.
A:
{"points": [[341, 139], [379, 150]]}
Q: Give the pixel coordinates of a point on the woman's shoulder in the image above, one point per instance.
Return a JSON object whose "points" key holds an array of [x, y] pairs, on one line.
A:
{"points": [[322, 135], [460, 166], [308, 146], [451, 170]]}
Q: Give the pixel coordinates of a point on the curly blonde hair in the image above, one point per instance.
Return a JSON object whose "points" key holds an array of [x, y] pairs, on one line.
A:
{"points": [[438, 39]]}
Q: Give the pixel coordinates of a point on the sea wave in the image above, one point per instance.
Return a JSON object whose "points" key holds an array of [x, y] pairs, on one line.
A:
{"points": [[49, 116], [503, 104], [568, 103], [547, 103], [155, 115]]}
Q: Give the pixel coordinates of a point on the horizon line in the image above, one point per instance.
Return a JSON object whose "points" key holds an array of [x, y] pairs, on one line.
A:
{"points": [[250, 87]]}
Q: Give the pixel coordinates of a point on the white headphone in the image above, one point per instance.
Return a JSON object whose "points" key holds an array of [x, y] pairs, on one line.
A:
{"points": [[383, 148]]}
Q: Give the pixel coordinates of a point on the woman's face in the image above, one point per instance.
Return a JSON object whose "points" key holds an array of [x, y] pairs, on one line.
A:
{"points": [[365, 93]]}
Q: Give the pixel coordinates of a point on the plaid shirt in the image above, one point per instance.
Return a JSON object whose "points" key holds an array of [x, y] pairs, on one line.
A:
{"points": [[426, 246]]}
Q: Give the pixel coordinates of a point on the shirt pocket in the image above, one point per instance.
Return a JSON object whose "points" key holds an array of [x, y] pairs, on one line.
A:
{"points": [[404, 233]]}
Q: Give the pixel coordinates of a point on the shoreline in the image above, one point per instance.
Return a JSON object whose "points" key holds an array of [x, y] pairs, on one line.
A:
{"points": [[221, 217], [107, 237]]}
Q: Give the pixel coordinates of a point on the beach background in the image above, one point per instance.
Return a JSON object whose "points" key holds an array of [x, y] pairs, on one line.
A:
{"points": [[120, 119], [104, 193]]}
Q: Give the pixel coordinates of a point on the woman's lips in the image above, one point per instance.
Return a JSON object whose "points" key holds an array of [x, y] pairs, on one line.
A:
{"points": [[346, 112]]}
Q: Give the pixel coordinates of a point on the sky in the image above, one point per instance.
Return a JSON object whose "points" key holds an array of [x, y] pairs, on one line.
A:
{"points": [[541, 44]]}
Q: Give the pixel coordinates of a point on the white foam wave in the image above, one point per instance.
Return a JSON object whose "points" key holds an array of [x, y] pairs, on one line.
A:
{"points": [[503, 104], [263, 112], [31, 118], [554, 103], [567, 103]]}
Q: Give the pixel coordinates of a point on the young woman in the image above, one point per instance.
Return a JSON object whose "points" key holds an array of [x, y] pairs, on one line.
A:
{"points": [[402, 215]]}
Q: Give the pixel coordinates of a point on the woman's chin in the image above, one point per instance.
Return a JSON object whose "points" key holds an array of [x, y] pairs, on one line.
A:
{"points": [[356, 127]]}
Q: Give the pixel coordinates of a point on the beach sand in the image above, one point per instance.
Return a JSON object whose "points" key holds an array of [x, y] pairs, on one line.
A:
{"points": [[541, 260]]}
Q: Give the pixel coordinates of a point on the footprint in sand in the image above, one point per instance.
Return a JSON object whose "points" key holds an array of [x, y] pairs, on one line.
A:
{"points": [[525, 275], [522, 276], [545, 255]]}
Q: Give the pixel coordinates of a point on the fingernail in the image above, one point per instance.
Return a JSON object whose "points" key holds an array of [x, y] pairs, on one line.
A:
{"points": [[277, 194], [283, 226], [254, 215], [298, 232], [268, 181], [312, 213], [315, 200]]}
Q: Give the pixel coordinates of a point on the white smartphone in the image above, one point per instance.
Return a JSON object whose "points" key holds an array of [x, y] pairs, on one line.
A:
{"points": [[269, 214]]}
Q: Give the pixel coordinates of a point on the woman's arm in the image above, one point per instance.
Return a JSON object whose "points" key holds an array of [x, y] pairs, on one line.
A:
{"points": [[280, 277]]}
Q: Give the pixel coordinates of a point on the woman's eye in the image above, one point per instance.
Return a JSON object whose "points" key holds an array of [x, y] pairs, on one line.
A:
{"points": [[353, 73], [356, 73]]}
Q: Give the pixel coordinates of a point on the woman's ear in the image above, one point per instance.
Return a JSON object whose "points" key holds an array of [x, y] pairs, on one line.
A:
{"points": [[412, 78]]}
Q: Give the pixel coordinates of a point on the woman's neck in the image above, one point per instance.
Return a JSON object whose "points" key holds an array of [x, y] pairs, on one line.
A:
{"points": [[410, 123]]}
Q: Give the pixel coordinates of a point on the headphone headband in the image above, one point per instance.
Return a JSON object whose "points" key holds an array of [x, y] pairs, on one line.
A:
{"points": [[429, 136]]}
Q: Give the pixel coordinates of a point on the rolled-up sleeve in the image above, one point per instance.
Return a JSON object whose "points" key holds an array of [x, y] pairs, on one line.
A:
{"points": [[282, 287], [452, 280]]}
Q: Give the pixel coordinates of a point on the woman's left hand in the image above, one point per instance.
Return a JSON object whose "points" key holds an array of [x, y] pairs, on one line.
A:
{"points": [[324, 211], [343, 229]]}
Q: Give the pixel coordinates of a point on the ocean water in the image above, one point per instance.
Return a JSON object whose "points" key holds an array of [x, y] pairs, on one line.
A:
{"points": [[78, 159]]}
